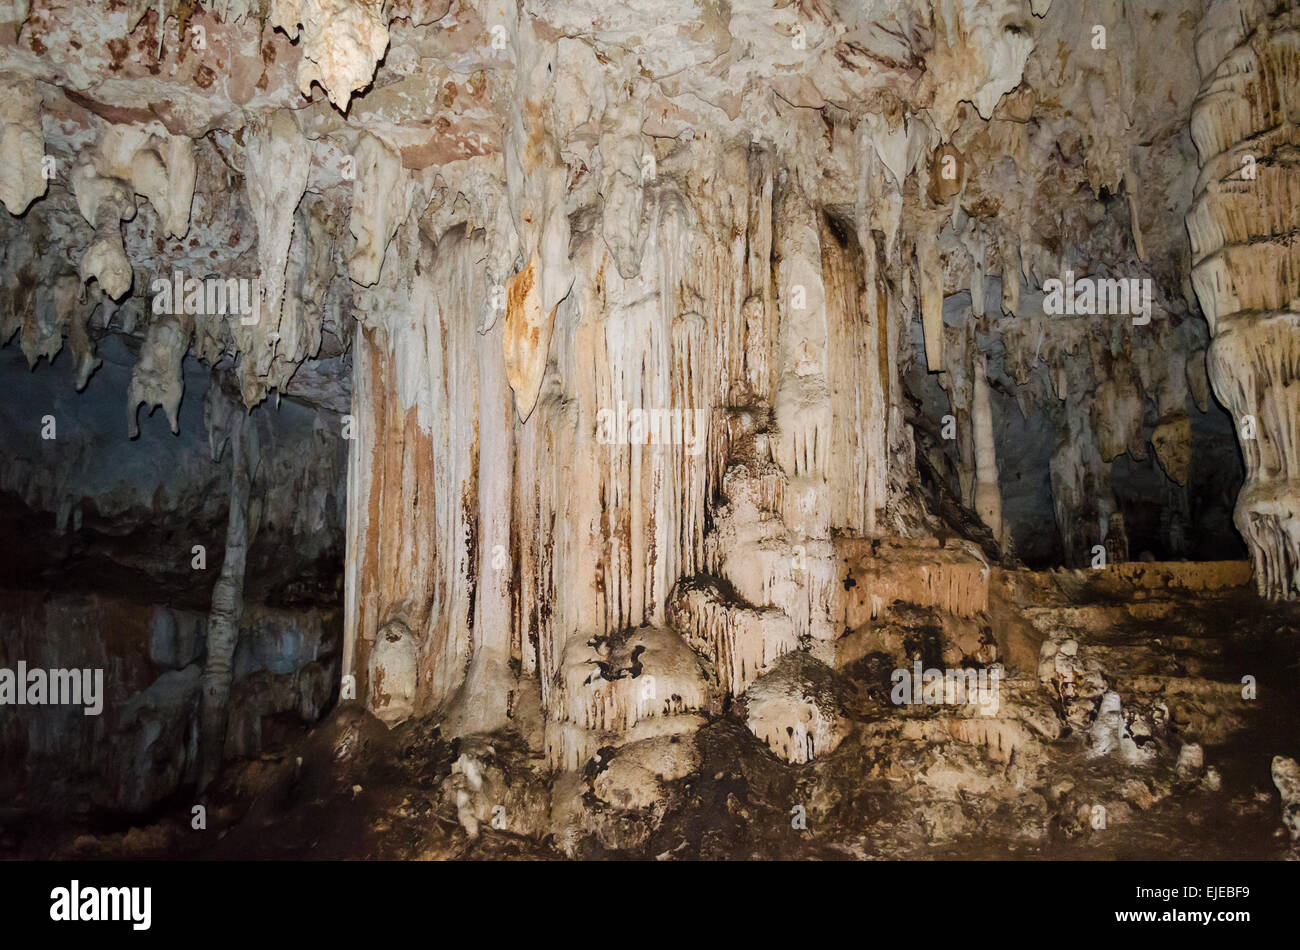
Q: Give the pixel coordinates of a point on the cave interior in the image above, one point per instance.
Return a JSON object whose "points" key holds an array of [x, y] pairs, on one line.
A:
{"points": [[656, 429]]}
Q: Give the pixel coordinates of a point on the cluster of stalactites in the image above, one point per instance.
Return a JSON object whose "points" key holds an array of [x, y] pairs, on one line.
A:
{"points": [[125, 161]]}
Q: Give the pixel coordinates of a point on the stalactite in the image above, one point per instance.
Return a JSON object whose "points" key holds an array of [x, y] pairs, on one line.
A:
{"points": [[417, 555], [105, 203], [958, 382], [930, 277], [741, 642], [161, 168], [536, 183], [856, 480], [803, 407], [624, 176], [483, 702], [61, 310], [380, 202], [23, 176], [277, 160], [953, 579], [157, 378], [341, 42]]}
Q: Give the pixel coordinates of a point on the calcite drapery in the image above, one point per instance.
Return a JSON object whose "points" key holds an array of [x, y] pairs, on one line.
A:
{"points": [[585, 536]]}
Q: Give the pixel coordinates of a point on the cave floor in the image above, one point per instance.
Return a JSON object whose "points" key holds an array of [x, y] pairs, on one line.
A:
{"points": [[913, 784]]}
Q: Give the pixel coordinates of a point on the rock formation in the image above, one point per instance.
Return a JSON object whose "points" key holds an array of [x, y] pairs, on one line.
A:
{"points": [[1242, 225], [601, 392]]}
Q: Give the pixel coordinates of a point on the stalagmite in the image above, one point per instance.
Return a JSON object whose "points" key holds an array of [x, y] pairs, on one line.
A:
{"points": [[1117, 551], [1286, 776], [797, 710], [394, 674]]}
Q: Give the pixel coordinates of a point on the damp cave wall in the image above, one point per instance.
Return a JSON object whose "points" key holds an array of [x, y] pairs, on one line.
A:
{"points": [[96, 572]]}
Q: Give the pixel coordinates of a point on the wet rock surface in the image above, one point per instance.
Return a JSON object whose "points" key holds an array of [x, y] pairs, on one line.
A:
{"points": [[904, 781]]}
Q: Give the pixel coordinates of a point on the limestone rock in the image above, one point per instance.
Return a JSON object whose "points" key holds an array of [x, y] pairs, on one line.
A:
{"points": [[797, 709], [1286, 776], [393, 673]]}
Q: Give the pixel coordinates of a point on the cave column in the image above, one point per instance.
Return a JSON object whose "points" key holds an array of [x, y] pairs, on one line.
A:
{"points": [[988, 497], [484, 700], [1246, 263], [227, 600]]}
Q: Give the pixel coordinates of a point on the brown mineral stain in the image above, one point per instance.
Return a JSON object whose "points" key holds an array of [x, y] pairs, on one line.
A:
{"points": [[517, 290], [119, 50]]}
